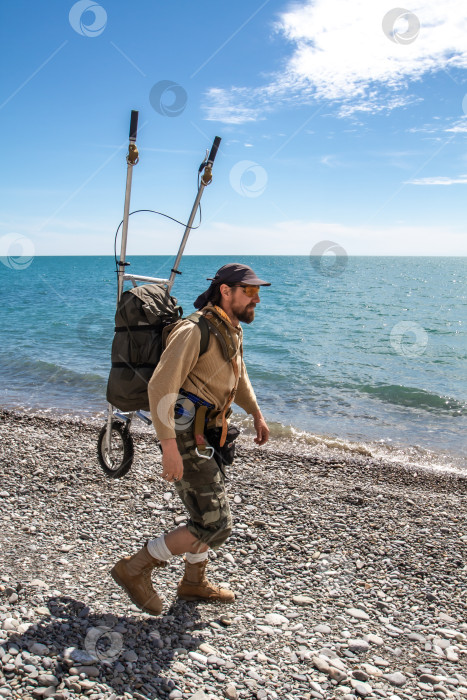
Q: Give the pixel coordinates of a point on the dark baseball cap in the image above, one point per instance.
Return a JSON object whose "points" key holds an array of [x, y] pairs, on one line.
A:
{"points": [[235, 273], [232, 273]]}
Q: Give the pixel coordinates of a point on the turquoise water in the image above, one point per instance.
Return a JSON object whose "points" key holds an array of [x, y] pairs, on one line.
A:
{"points": [[369, 350]]}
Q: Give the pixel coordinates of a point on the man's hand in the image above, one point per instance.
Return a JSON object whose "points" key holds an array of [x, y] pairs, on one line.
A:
{"points": [[262, 430], [172, 463]]}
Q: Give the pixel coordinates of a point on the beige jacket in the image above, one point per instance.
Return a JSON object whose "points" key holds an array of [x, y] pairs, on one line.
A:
{"points": [[208, 376]]}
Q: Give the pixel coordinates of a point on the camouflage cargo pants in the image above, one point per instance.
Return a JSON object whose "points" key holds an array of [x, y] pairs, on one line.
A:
{"points": [[202, 491]]}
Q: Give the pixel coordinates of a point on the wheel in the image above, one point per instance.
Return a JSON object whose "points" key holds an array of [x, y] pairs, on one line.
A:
{"points": [[122, 451]]}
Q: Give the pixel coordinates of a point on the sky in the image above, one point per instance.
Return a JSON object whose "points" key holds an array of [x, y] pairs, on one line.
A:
{"points": [[343, 124]]}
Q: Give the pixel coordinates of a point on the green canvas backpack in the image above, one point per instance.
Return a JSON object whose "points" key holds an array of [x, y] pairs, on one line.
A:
{"points": [[144, 316]]}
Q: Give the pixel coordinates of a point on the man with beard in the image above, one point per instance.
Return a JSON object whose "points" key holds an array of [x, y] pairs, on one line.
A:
{"points": [[194, 445]]}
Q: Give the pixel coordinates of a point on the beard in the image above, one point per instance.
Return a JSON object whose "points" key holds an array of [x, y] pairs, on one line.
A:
{"points": [[246, 315]]}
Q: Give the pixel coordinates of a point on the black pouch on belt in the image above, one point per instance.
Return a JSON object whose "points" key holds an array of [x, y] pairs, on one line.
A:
{"points": [[226, 453]]}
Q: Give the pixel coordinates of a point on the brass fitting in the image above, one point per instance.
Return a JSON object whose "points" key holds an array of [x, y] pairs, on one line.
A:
{"points": [[206, 178], [133, 155]]}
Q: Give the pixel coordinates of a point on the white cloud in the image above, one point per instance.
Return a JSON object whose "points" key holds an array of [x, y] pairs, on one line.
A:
{"points": [[438, 127], [459, 128], [231, 107], [340, 53], [441, 180]]}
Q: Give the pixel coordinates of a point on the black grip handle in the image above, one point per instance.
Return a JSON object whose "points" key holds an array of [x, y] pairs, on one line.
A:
{"points": [[133, 124], [214, 149]]}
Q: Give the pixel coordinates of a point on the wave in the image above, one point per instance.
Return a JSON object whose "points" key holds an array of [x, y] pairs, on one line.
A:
{"points": [[412, 397], [319, 391], [303, 443], [36, 374], [362, 411]]}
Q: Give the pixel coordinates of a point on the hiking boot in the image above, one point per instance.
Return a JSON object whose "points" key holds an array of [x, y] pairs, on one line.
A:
{"points": [[195, 586], [133, 574]]}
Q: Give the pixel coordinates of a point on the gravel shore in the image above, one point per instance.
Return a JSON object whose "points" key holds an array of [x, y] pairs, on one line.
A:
{"points": [[350, 576]]}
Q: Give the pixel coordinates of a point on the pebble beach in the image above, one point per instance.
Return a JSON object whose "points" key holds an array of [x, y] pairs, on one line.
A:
{"points": [[350, 574]]}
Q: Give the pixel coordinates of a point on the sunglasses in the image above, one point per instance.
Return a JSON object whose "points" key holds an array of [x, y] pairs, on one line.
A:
{"points": [[250, 290]]}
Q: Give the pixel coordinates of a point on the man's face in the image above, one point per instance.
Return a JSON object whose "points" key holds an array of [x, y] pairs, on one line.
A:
{"points": [[242, 305]]}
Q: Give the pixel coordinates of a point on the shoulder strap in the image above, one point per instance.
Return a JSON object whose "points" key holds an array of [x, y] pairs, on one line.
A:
{"points": [[202, 324], [219, 329], [207, 324], [204, 328]]}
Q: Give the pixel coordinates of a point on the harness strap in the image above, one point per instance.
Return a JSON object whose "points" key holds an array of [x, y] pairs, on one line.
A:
{"points": [[198, 431], [222, 333], [209, 322], [229, 347]]}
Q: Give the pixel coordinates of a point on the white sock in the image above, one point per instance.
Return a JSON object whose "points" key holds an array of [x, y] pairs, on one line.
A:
{"points": [[196, 558], [158, 549]]}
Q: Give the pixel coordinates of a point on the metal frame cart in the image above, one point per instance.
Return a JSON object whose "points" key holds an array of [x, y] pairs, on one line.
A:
{"points": [[115, 447]]}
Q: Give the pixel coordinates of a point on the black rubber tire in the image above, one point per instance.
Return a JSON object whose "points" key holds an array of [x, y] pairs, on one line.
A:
{"points": [[122, 450]]}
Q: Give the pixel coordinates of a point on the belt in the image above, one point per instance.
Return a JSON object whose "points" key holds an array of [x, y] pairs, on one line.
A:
{"points": [[201, 414]]}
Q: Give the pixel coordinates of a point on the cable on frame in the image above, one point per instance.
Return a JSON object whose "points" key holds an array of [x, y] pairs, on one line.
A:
{"points": [[160, 213]]}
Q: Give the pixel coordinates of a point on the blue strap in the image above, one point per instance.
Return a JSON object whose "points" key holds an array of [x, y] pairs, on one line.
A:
{"points": [[196, 399]]}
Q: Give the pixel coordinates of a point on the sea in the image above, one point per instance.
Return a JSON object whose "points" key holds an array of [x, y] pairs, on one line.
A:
{"points": [[359, 353]]}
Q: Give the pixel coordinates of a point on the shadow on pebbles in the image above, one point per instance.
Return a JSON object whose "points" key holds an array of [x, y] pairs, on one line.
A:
{"points": [[350, 575]]}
